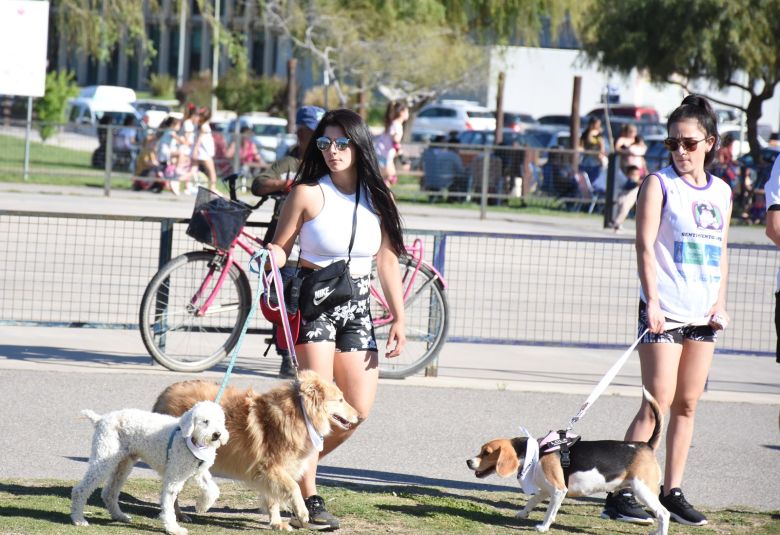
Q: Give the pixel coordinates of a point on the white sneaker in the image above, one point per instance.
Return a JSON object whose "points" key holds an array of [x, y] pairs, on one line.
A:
{"points": [[175, 187]]}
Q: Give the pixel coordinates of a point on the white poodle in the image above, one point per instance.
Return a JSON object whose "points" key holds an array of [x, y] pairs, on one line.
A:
{"points": [[177, 448]]}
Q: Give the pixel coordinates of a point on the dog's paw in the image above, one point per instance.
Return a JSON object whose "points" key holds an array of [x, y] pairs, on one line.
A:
{"points": [[204, 503], [541, 528], [281, 526], [181, 517], [523, 513], [80, 521], [177, 531], [121, 517]]}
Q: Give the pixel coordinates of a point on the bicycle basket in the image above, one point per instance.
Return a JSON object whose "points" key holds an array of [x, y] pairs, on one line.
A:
{"points": [[216, 221]]}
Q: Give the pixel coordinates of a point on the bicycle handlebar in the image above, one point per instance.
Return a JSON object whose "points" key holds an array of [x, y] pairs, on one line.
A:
{"points": [[230, 181]]}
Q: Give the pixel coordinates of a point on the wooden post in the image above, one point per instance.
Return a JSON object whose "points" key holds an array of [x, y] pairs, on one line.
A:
{"points": [[292, 96], [500, 108], [574, 124]]}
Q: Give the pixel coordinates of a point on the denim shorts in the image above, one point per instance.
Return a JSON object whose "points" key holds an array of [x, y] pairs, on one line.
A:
{"points": [[698, 333], [348, 325]]}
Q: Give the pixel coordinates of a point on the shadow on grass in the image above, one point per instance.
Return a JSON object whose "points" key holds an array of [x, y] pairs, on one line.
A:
{"points": [[131, 505]]}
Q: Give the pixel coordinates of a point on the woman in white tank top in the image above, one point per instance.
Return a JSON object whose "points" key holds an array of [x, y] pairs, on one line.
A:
{"points": [[340, 343], [683, 215]]}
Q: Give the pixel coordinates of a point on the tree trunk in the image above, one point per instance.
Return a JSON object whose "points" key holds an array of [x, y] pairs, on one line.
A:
{"points": [[752, 115]]}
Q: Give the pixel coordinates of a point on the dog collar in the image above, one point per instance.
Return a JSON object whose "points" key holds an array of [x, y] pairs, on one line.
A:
{"points": [[317, 440], [527, 474]]}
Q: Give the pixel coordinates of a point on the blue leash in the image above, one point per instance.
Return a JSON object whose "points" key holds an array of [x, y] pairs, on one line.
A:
{"points": [[261, 254]]}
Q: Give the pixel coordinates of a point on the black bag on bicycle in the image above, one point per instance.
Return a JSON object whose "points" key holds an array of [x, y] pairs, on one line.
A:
{"points": [[330, 286], [217, 221]]}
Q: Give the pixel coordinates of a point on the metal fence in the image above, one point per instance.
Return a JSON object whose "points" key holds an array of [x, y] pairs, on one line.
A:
{"points": [[480, 173], [83, 270]]}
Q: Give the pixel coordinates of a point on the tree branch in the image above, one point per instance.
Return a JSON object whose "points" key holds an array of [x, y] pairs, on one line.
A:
{"points": [[712, 99]]}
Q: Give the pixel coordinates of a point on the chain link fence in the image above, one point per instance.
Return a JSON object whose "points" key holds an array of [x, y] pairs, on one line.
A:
{"points": [[83, 270]]}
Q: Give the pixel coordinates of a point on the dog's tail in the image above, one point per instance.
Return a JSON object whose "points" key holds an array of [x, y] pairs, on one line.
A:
{"points": [[655, 438], [92, 415]]}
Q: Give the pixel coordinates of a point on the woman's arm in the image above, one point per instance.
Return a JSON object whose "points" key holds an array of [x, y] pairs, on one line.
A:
{"points": [[390, 279], [648, 219], [289, 225]]}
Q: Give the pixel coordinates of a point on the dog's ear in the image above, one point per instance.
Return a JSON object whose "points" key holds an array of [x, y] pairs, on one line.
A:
{"points": [[313, 391], [508, 463], [187, 423]]}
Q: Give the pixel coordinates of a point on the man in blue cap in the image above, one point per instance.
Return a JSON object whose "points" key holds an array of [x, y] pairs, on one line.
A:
{"points": [[278, 179]]}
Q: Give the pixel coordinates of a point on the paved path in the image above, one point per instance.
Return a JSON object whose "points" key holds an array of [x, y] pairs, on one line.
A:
{"points": [[422, 429]]}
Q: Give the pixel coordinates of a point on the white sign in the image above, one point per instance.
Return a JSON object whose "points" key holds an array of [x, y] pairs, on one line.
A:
{"points": [[24, 28]]}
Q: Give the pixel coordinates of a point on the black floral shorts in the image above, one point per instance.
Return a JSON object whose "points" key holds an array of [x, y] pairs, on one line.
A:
{"points": [[699, 333], [348, 325]]}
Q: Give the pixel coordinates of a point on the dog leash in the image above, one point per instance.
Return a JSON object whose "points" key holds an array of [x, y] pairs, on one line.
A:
{"points": [[613, 371], [275, 276], [261, 254]]}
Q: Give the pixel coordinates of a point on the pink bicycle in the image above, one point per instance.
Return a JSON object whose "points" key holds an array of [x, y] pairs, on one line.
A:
{"points": [[195, 306]]}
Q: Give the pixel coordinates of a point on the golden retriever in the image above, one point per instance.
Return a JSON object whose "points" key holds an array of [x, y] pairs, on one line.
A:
{"points": [[269, 441]]}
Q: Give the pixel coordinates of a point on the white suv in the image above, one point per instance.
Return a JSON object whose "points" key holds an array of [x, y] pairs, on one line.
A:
{"points": [[268, 131], [448, 115]]}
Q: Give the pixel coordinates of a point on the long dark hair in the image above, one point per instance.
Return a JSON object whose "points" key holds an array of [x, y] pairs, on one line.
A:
{"points": [[697, 107], [313, 167]]}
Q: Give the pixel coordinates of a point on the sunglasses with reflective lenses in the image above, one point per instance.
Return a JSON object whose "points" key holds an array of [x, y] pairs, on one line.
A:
{"points": [[324, 143], [689, 144]]}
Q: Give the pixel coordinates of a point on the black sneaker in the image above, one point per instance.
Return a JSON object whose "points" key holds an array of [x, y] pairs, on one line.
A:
{"points": [[319, 517], [680, 510], [622, 506], [286, 370]]}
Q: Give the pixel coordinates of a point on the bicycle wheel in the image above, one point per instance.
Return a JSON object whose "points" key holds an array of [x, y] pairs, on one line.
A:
{"points": [[173, 334], [426, 323]]}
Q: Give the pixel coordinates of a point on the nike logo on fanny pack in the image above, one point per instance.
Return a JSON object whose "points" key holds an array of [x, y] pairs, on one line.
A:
{"points": [[321, 295]]}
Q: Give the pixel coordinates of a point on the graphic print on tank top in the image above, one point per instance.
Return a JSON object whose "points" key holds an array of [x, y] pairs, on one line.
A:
{"points": [[697, 254]]}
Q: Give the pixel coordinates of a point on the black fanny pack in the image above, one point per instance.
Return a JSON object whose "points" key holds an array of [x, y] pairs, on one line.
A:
{"points": [[330, 286]]}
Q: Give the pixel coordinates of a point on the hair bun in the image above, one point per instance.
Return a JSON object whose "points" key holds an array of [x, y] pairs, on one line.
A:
{"points": [[696, 100]]}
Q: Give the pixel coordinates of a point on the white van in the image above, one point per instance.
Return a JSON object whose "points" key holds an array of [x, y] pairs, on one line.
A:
{"points": [[94, 101]]}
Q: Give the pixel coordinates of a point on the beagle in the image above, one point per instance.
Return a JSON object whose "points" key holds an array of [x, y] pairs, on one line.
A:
{"points": [[595, 466]]}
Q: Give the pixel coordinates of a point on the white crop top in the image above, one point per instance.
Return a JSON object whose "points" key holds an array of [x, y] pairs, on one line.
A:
{"points": [[689, 245], [325, 238]]}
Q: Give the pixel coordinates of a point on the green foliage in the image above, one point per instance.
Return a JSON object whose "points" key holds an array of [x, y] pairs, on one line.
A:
{"points": [[162, 85], [244, 92], [95, 28], [50, 109], [681, 41], [316, 97], [196, 90]]}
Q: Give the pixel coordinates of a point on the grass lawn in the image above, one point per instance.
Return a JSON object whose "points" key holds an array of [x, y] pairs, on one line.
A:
{"points": [[43, 507]]}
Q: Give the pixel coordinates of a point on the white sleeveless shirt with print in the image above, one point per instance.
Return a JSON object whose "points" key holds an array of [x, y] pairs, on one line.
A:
{"points": [[689, 245], [324, 239]]}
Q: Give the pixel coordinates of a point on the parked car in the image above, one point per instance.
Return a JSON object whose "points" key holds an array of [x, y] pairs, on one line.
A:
{"points": [[86, 110], [760, 171], [155, 111], [448, 115], [636, 113], [268, 132], [561, 121], [518, 121], [657, 155], [741, 147]]}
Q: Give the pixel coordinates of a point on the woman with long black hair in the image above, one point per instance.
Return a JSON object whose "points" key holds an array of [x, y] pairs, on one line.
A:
{"points": [[338, 164]]}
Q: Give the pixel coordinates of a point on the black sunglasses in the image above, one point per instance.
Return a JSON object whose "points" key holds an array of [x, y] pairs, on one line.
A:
{"points": [[324, 143], [688, 144]]}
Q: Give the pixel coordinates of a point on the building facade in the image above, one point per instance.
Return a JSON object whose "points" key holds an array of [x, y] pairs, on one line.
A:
{"points": [[267, 53]]}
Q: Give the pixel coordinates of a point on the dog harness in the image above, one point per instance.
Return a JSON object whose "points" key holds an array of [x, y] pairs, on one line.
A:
{"points": [[565, 439]]}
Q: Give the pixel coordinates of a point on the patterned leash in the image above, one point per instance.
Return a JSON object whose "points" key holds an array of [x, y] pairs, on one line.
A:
{"points": [[265, 281]]}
